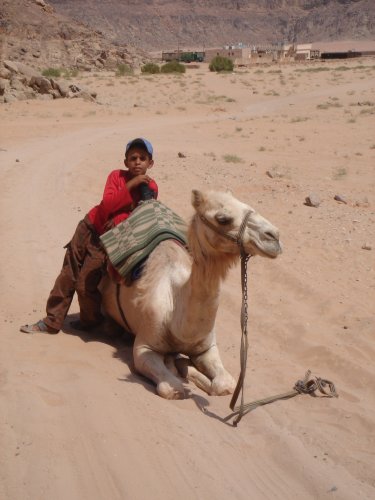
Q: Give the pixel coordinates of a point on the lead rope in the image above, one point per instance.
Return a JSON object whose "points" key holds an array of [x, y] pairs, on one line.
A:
{"points": [[244, 342], [304, 386], [244, 317]]}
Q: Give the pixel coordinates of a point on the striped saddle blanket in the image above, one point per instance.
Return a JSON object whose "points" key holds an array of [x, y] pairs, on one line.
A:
{"points": [[131, 241]]}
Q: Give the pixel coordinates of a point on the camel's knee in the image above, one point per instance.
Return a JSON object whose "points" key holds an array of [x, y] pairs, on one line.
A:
{"points": [[168, 390], [223, 384], [151, 365]]}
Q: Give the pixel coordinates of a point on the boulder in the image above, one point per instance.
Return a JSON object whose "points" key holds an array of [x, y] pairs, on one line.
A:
{"points": [[5, 73], [12, 66], [4, 85], [40, 84], [17, 84], [26, 70], [62, 87], [8, 98]]}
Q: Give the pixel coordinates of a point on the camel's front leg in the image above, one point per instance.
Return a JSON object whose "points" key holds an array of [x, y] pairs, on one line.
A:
{"points": [[211, 365], [151, 364]]}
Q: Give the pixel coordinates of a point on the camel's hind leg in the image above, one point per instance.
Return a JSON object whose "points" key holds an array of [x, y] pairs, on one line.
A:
{"points": [[151, 364], [210, 364]]}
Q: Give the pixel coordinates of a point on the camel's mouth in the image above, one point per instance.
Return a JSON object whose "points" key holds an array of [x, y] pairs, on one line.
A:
{"points": [[271, 251]]}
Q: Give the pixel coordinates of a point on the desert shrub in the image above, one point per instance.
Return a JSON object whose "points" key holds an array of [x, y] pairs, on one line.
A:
{"points": [[232, 159], [220, 63], [151, 68], [51, 72], [173, 67], [124, 69]]}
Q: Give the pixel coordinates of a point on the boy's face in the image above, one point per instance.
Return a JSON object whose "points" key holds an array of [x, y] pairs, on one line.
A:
{"points": [[138, 161]]}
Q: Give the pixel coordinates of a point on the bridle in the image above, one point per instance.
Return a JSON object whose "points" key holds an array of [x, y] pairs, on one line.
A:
{"points": [[238, 238]]}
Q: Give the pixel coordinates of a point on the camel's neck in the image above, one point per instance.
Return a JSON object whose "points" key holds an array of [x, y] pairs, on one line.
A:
{"points": [[202, 290]]}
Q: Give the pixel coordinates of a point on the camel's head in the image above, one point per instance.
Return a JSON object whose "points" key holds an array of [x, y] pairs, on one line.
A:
{"points": [[220, 216]]}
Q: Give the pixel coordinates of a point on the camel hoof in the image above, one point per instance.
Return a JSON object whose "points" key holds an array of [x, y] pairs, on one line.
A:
{"points": [[166, 391]]}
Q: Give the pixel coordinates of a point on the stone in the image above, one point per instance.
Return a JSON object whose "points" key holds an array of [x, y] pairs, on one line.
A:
{"points": [[62, 87], [55, 94], [12, 66], [40, 84], [312, 200], [5, 73], [181, 155], [4, 85], [16, 84], [8, 98], [340, 199], [366, 246]]}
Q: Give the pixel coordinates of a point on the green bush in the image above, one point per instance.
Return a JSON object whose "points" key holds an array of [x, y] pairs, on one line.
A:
{"points": [[220, 63], [51, 72], [151, 68], [173, 67], [124, 69]]}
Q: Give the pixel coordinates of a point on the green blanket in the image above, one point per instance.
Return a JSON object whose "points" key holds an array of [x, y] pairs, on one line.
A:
{"points": [[134, 239]]}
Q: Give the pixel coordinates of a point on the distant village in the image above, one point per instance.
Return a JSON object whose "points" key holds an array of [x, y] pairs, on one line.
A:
{"points": [[245, 55]]}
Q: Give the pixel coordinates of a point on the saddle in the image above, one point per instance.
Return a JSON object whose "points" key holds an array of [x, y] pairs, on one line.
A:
{"points": [[130, 243]]}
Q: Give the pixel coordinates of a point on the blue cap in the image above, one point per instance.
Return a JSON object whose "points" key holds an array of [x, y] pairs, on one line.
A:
{"points": [[140, 143]]}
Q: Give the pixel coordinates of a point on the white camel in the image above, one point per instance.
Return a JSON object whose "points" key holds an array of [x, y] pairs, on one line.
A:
{"points": [[171, 309]]}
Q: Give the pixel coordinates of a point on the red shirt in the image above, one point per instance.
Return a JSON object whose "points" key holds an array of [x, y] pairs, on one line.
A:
{"points": [[118, 202]]}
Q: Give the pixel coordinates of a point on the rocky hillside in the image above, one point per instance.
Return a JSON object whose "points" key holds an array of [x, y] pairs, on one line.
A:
{"points": [[156, 24], [33, 32]]}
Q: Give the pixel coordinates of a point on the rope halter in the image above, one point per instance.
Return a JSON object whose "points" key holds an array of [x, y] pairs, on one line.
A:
{"points": [[238, 238]]}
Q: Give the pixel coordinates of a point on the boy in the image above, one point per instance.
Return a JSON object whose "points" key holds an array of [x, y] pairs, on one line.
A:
{"points": [[85, 258]]}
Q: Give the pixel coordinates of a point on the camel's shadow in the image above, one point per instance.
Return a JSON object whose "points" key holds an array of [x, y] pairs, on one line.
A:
{"points": [[122, 343]]}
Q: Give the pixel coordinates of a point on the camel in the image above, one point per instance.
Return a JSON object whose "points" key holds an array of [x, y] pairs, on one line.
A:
{"points": [[171, 309]]}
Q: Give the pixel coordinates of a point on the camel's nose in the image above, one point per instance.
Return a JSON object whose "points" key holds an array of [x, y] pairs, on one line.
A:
{"points": [[272, 234]]}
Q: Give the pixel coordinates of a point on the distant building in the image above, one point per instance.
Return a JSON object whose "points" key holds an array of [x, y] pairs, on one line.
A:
{"points": [[334, 50], [344, 49], [266, 53], [303, 52]]}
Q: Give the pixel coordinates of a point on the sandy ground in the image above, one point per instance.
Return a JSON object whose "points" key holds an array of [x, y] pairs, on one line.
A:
{"points": [[76, 422]]}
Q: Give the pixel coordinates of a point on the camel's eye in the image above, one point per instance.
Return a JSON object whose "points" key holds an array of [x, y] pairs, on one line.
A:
{"points": [[223, 219]]}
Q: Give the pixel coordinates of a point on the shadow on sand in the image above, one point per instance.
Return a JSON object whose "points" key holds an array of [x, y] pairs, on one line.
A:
{"points": [[122, 343]]}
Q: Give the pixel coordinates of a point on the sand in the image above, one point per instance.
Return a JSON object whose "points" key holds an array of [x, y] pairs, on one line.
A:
{"points": [[76, 421]]}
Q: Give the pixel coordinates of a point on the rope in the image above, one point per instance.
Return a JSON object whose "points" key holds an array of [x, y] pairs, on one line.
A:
{"points": [[304, 386]]}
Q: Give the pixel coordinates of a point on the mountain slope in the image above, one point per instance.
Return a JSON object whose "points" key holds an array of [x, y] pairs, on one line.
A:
{"points": [[156, 24], [32, 31]]}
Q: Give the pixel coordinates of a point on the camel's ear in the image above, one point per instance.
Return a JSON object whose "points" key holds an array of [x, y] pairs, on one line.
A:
{"points": [[197, 198]]}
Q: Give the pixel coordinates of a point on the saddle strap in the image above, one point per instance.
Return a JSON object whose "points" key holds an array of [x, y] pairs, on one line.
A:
{"points": [[122, 314]]}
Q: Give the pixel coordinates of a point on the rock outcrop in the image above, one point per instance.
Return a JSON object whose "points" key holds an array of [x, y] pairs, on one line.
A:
{"points": [[33, 33], [20, 82]]}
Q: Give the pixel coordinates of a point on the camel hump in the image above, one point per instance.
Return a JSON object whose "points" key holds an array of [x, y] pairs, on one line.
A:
{"points": [[132, 241]]}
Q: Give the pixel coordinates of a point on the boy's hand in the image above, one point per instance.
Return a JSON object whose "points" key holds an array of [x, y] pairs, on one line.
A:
{"points": [[137, 180]]}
